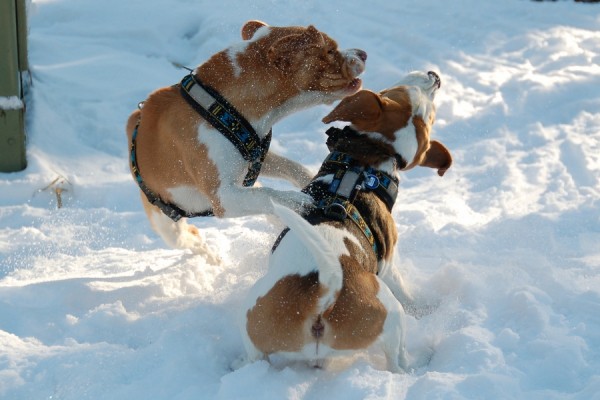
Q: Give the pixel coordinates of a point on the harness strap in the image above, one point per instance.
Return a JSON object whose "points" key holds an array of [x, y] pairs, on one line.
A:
{"points": [[225, 118], [338, 208], [170, 210]]}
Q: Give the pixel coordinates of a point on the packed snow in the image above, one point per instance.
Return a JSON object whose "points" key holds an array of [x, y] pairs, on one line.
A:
{"points": [[93, 305]]}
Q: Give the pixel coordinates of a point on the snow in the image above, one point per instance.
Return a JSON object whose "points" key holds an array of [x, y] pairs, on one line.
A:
{"points": [[94, 306], [10, 103]]}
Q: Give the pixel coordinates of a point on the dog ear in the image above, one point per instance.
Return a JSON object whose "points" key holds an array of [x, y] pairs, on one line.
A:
{"points": [[288, 51], [250, 28], [438, 156], [363, 106], [314, 35]]}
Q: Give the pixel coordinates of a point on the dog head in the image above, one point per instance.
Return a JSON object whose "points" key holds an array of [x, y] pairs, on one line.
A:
{"points": [[307, 58], [403, 116]]}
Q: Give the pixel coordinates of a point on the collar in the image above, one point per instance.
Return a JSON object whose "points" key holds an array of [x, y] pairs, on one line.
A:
{"points": [[227, 120]]}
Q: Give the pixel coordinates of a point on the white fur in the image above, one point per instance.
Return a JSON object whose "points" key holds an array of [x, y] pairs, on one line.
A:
{"points": [[189, 198], [236, 199], [232, 53], [234, 50], [419, 79], [406, 142], [304, 100], [392, 338]]}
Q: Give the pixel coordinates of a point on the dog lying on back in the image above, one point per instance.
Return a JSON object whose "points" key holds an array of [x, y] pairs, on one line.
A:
{"points": [[328, 288], [197, 147]]}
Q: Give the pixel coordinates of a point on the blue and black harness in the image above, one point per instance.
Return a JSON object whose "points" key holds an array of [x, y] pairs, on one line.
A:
{"points": [[223, 117]]}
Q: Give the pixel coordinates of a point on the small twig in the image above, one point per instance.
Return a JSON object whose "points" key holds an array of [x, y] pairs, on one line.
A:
{"points": [[57, 186], [50, 184], [58, 191]]}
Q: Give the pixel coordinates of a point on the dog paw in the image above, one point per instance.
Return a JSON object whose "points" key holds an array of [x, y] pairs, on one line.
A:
{"points": [[202, 249], [421, 358], [238, 363], [242, 361], [194, 242]]}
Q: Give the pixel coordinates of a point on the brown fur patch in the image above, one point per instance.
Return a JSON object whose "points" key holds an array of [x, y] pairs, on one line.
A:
{"points": [[292, 59], [278, 321], [357, 317], [370, 112]]}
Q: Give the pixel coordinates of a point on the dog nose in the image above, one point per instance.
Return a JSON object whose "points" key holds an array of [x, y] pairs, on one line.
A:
{"points": [[436, 77], [361, 54]]}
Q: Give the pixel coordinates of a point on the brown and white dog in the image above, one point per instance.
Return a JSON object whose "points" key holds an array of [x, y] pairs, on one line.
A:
{"points": [[185, 162], [331, 286]]}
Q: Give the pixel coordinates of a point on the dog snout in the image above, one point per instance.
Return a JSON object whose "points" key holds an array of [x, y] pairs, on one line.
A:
{"points": [[436, 78], [355, 62]]}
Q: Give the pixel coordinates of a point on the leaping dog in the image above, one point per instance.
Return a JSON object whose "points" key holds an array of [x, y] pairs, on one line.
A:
{"points": [[198, 146]]}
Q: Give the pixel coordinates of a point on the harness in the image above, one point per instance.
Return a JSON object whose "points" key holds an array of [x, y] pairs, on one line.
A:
{"points": [[335, 200], [226, 119]]}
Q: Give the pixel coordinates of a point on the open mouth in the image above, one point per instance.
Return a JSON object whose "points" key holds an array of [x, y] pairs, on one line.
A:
{"points": [[355, 84]]}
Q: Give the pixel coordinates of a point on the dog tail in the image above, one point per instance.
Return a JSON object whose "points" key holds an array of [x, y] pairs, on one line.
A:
{"points": [[328, 263]]}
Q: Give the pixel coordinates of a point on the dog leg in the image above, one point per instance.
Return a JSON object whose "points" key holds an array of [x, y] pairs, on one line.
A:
{"points": [[416, 306], [394, 331], [252, 353], [281, 167], [242, 201], [180, 234], [389, 273]]}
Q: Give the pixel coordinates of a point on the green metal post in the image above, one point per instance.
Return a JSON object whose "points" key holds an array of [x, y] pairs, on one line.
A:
{"points": [[13, 64]]}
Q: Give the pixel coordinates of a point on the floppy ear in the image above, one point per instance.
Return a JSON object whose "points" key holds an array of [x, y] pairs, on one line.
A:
{"points": [[438, 156], [250, 28], [361, 106]]}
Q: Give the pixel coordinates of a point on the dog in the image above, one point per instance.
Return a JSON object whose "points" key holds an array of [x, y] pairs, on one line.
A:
{"points": [[331, 287], [197, 147]]}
